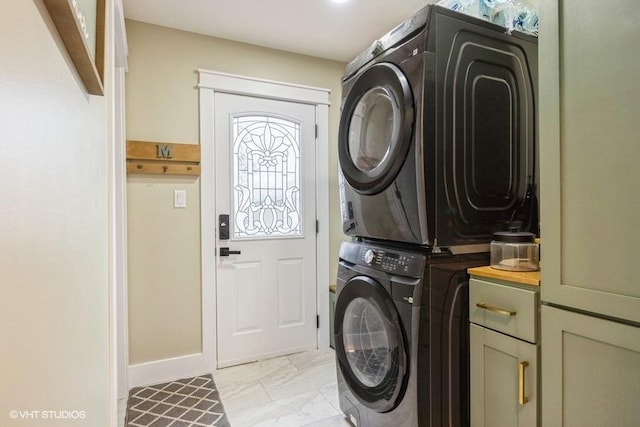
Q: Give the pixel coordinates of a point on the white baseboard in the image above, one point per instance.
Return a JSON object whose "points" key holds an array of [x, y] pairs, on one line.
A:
{"points": [[162, 371]]}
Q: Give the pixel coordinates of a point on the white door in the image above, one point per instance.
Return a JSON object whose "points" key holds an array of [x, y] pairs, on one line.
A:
{"points": [[265, 183]]}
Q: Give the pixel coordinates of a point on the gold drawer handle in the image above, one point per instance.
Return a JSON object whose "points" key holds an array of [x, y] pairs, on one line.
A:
{"points": [[496, 310], [522, 399]]}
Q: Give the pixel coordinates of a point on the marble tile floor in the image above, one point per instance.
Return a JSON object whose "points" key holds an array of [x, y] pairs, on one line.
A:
{"points": [[290, 391], [298, 390]]}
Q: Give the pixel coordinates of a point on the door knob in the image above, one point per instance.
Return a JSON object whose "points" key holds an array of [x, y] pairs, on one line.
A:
{"points": [[227, 252]]}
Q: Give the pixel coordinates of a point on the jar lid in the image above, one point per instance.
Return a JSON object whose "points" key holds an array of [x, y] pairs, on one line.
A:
{"points": [[514, 236]]}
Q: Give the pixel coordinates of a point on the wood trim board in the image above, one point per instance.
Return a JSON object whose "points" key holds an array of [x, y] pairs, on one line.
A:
{"points": [[163, 158], [90, 68]]}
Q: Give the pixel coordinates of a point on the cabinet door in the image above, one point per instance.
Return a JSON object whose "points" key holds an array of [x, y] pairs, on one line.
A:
{"points": [[503, 371], [590, 371], [589, 154]]}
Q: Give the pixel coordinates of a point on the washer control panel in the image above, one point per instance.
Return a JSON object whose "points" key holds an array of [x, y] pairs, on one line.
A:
{"points": [[389, 260]]}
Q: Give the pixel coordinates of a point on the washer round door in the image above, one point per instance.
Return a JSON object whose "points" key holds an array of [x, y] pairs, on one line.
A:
{"points": [[370, 344], [376, 127]]}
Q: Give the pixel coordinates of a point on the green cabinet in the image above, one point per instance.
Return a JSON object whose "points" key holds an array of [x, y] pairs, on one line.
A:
{"points": [[503, 380], [590, 155], [591, 371], [503, 353], [590, 203]]}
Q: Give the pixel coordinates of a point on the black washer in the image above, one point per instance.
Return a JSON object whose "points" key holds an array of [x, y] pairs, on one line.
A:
{"points": [[370, 344]]}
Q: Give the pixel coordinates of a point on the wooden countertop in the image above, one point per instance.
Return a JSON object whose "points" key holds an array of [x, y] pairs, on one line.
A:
{"points": [[524, 277]]}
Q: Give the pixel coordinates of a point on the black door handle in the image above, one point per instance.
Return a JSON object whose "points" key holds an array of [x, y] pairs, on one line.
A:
{"points": [[227, 252]]}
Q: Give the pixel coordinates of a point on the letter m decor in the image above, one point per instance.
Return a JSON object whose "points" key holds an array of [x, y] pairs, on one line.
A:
{"points": [[164, 151]]}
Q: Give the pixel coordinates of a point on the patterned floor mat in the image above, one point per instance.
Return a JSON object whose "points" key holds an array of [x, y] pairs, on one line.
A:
{"points": [[181, 403]]}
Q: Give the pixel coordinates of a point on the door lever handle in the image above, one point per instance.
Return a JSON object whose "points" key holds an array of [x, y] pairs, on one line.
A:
{"points": [[227, 252]]}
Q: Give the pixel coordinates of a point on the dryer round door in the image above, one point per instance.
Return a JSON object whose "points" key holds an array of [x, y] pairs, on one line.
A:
{"points": [[370, 345], [376, 127]]}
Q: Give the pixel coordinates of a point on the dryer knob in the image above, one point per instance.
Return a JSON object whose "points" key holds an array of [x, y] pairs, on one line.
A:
{"points": [[369, 256]]}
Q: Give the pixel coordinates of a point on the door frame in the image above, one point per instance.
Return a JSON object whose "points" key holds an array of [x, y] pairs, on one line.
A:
{"points": [[118, 207], [210, 83]]}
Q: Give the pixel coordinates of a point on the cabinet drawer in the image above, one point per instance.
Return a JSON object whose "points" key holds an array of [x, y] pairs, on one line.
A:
{"points": [[506, 309]]}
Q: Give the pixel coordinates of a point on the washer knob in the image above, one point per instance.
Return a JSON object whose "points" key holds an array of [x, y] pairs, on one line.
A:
{"points": [[369, 256]]}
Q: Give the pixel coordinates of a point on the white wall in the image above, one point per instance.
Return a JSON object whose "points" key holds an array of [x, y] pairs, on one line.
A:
{"points": [[54, 307]]}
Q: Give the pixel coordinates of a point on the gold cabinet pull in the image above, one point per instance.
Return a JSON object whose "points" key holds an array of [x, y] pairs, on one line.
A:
{"points": [[522, 399], [496, 310]]}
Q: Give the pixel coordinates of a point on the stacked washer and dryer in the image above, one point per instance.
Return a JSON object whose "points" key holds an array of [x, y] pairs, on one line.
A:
{"points": [[437, 151]]}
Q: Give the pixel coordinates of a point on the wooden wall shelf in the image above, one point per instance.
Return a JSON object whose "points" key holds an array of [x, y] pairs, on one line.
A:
{"points": [[163, 158]]}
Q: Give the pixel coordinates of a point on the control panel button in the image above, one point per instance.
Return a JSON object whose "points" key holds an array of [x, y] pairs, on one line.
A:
{"points": [[369, 256]]}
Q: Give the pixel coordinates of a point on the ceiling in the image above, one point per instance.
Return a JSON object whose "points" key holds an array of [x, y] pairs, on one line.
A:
{"points": [[312, 27]]}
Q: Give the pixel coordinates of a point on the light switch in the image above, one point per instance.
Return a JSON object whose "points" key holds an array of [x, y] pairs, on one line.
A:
{"points": [[179, 198]]}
